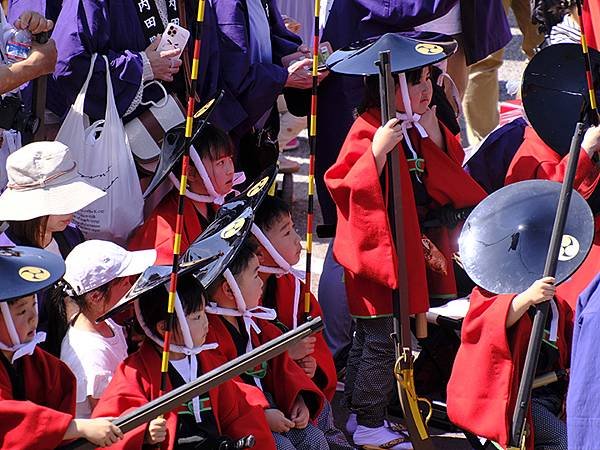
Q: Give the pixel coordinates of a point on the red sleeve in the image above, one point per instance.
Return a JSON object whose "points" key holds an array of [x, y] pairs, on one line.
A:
{"points": [[296, 382], [155, 233], [591, 21], [129, 389], [239, 416], [483, 385], [363, 243], [363, 233], [28, 424], [536, 161]]}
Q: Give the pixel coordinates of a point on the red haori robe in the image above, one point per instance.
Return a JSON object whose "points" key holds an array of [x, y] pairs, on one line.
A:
{"points": [[158, 231], [536, 160], [363, 243], [326, 375], [486, 374], [237, 408], [285, 380], [42, 420], [591, 22]]}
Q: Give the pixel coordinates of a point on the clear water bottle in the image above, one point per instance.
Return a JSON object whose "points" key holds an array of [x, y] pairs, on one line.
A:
{"points": [[18, 45]]}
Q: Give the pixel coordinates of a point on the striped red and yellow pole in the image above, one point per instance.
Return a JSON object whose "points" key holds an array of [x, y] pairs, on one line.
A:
{"points": [[588, 68], [189, 126], [312, 141]]}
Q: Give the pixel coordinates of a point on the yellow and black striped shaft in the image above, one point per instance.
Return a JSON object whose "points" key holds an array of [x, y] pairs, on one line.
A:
{"points": [[595, 117], [312, 140], [189, 126]]}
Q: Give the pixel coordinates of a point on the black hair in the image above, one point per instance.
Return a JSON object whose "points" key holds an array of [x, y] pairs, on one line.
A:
{"points": [[153, 305], [270, 211], [237, 264], [371, 98], [55, 308], [212, 142], [30, 232]]}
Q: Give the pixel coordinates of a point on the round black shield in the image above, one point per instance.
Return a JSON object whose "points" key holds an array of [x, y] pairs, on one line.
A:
{"points": [[505, 240]]}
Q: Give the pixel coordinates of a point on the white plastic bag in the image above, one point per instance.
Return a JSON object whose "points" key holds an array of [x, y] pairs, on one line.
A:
{"points": [[105, 161]]}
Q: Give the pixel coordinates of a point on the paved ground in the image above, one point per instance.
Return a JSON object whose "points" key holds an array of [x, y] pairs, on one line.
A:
{"points": [[511, 70]]}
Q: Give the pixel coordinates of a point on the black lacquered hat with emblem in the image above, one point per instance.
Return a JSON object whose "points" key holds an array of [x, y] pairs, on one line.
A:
{"points": [[505, 240], [174, 143], [407, 53], [27, 270], [206, 258]]}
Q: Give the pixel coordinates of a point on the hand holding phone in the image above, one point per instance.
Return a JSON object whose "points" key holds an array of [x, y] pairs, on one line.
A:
{"points": [[174, 38]]}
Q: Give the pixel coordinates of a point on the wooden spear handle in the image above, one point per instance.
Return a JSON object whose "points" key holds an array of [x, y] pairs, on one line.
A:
{"points": [[421, 325]]}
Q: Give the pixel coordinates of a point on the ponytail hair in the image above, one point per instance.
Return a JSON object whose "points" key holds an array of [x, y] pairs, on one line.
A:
{"points": [[55, 306]]}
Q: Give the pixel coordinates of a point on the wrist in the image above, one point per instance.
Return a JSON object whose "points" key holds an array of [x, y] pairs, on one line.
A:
{"points": [[147, 72]]}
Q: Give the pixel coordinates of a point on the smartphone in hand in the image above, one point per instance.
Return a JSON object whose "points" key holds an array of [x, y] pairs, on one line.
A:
{"points": [[174, 38]]}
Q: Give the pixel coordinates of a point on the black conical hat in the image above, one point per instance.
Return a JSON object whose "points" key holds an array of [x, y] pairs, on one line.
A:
{"points": [[173, 145], [27, 270], [254, 194], [555, 92], [505, 240], [206, 258], [407, 53]]}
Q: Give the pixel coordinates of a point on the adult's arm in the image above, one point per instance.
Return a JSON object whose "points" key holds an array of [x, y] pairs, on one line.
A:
{"points": [[251, 88], [40, 62]]}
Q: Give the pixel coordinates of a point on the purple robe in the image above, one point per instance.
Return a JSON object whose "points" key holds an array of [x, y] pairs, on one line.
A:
{"points": [[113, 28], [251, 89], [583, 397]]}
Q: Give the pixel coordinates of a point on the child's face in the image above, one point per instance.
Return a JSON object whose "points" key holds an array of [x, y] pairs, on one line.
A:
{"points": [[25, 317], [221, 173], [58, 223], [420, 93], [198, 323], [285, 239], [250, 283]]}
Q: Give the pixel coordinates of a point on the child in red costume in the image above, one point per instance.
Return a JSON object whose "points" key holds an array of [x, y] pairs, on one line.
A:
{"points": [[485, 378], [210, 178], [230, 409], [238, 324], [37, 390], [283, 291], [536, 160], [431, 177]]}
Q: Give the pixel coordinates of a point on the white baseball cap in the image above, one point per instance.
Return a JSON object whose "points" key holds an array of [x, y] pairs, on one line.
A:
{"points": [[43, 180], [94, 263]]}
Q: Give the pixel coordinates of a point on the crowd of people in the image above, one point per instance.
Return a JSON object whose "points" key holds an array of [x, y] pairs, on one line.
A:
{"points": [[82, 327]]}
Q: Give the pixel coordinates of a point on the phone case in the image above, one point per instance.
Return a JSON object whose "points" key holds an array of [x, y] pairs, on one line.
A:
{"points": [[174, 38]]}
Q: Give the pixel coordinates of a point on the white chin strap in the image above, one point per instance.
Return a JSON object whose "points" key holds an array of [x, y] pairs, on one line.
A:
{"points": [[188, 349], [248, 315], [17, 348], [283, 269], [409, 119], [212, 196]]}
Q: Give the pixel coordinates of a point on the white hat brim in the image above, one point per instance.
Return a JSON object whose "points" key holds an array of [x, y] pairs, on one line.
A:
{"points": [[139, 261], [45, 201]]}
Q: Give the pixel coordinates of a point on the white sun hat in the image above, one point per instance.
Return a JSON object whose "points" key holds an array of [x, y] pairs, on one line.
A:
{"points": [[94, 263], [43, 180]]}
